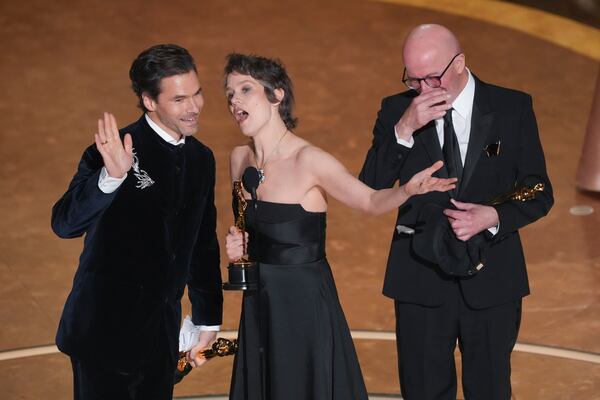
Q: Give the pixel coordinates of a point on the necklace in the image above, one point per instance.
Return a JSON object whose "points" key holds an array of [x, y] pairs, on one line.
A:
{"points": [[261, 170]]}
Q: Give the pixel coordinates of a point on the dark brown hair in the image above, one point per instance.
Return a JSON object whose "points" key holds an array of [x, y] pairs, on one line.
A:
{"points": [[156, 63], [272, 75]]}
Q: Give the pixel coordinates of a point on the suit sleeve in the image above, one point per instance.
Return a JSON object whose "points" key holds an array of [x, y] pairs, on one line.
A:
{"points": [[514, 215], [385, 158], [204, 283], [83, 201]]}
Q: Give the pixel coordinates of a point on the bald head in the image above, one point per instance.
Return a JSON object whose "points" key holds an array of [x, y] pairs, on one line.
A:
{"points": [[427, 51], [425, 42]]}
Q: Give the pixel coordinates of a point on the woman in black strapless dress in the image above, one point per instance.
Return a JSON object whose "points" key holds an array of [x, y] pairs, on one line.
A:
{"points": [[309, 354]]}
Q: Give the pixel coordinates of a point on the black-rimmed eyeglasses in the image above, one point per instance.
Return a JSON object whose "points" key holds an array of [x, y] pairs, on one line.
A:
{"points": [[431, 81]]}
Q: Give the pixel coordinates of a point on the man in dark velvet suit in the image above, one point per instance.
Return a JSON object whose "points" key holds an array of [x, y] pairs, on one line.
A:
{"points": [[488, 138], [144, 198]]}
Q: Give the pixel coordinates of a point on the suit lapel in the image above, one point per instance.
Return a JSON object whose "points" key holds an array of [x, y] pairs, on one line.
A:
{"points": [[482, 119], [429, 140]]}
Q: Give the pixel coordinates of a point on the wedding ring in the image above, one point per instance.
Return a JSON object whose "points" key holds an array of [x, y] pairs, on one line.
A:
{"points": [[103, 143]]}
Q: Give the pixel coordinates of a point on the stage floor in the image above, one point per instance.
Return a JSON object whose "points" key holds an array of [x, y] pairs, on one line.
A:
{"points": [[64, 63]]}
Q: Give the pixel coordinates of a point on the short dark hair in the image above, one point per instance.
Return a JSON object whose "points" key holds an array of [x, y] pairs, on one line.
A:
{"points": [[154, 64], [272, 75]]}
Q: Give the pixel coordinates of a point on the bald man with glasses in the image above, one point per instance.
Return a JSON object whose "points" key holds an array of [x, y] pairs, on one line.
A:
{"points": [[456, 268]]}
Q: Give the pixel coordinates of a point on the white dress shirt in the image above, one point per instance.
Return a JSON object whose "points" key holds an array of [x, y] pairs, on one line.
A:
{"points": [[108, 184], [462, 109]]}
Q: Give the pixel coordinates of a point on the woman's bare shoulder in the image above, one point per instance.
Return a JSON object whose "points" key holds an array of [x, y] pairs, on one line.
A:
{"points": [[309, 153]]}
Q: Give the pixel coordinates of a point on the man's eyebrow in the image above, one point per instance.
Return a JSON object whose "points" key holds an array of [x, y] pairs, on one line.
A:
{"points": [[183, 96]]}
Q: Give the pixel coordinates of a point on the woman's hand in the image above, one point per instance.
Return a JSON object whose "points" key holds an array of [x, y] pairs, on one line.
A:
{"points": [[422, 182], [236, 244]]}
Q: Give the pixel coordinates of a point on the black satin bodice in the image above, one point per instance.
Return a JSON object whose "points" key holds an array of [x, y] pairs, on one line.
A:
{"points": [[285, 233]]}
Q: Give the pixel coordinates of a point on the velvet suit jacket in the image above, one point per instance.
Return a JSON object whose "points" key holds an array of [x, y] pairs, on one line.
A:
{"points": [[499, 115], [143, 244]]}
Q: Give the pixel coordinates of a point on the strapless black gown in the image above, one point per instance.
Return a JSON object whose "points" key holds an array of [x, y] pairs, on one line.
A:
{"points": [[309, 354]]}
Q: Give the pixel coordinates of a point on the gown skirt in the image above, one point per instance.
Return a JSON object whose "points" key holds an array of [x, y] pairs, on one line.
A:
{"points": [[306, 343]]}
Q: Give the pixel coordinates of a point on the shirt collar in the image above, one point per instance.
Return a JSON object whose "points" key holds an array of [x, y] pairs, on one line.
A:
{"points": [[163, 134], [463, 104]]}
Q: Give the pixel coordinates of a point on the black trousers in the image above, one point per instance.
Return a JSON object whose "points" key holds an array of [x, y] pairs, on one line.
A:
{"points": [[153, 380], [93, 382], [426, 338]]}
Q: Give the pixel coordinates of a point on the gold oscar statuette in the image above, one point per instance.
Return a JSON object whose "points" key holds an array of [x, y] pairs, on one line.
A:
{"points": [[220, 348], [523, 192], [242, 272]]}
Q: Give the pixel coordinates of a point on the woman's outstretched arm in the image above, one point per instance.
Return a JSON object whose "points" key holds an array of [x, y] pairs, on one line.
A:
{"points": [[335, 179]]}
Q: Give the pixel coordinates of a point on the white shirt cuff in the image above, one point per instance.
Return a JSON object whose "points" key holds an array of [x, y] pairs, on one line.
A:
{"points": [[107, 184], [407, 143], [212, 328]]}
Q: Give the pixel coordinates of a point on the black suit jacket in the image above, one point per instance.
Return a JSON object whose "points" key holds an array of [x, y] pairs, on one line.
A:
{"points": [[499, 115], [142, 246]]}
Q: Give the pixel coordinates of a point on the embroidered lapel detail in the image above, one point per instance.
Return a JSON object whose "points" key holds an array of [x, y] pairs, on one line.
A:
{"points": [[143, 179]]}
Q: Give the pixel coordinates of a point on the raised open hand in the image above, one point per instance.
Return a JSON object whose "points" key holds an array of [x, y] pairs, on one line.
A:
{"points": [[422, 182], [116, 154]]}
